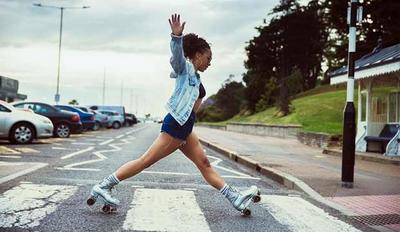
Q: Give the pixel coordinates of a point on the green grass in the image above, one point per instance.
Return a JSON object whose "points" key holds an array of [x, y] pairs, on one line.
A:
{"points": [[316, 111]]}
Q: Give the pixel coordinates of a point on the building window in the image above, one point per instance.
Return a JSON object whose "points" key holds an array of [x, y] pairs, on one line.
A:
{"points": [[394, 107], [363, 107]]}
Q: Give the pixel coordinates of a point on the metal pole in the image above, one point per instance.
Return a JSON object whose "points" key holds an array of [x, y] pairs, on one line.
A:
{"points": [[104, 86], [349, 123], [57, 97], [122, 92]]}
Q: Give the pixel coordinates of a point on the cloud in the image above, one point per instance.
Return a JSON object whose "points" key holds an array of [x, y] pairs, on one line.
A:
{"points": [[130, 38]]}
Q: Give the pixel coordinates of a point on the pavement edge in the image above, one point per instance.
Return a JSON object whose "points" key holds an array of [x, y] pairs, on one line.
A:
{"points": [[278, 176]]}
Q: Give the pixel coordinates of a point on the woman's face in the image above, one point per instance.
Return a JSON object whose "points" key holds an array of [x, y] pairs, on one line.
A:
{"points": [[203, 60]]}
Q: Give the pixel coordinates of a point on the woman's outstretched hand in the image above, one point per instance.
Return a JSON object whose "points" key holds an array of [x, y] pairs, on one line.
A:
{"points": [[175, 24]]}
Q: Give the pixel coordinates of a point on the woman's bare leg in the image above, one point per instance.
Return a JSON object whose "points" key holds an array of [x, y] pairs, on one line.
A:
{"points": [[194, 151], [161, 147]]}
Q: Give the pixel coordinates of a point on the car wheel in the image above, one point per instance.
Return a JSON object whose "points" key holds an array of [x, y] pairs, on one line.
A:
{"points": [[116, 125], [22, 133], [96, 126], [62, 130]]}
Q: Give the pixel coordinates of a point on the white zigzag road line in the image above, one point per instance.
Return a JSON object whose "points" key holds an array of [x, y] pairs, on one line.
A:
{"points": [[100, 157], [218, 160]]}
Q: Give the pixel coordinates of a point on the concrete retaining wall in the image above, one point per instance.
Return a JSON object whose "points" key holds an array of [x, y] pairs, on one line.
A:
{"points": [[282, 131]]}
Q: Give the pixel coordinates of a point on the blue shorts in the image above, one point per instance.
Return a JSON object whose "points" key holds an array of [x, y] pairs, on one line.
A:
{"points": [[172, 127]]}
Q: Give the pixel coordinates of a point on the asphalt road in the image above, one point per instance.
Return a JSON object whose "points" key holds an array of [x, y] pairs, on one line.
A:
{"points": [[169, 196]]}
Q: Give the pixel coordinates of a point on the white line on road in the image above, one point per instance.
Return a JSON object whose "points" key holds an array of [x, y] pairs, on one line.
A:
{"points": [[27, 204], [83, 143], [300, 215], [59, 148], [218, 160], [106, 142], [169, 173], [241, 177], [120, 136], [77, 153], [11, 156], [165, 210], [133, 131], [79, 169], [31, 166]]}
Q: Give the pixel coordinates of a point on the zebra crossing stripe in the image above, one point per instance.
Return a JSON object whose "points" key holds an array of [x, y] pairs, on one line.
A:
{"points": [[165, 210], [300, 215], [27, 204]]}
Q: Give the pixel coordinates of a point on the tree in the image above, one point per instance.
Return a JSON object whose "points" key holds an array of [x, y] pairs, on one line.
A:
{"points": [[294, 38], [73, 102]]}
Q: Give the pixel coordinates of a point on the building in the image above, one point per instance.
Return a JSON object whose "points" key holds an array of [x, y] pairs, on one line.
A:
{"points": [[377, 76], [9, 90]]}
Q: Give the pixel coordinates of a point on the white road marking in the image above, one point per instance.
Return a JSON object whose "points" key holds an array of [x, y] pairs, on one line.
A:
{"points": [[120, 136], [194, 174], [59, 148], [31, 166], [299, 215], [165, 210], [27, 204], [100, 157], [11, 156], [83, 143], [168, 173], [79, 169], [106, 142], [26, 150], [218, 160], [77, 153], [8, 151], [133, 131], [241, 177]]}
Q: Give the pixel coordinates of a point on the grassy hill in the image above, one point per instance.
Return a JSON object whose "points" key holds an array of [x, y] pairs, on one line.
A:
{"points": [[317, 110]]}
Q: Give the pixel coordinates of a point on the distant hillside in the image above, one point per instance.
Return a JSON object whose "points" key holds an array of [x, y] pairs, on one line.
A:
{"points": [[317, 110]]}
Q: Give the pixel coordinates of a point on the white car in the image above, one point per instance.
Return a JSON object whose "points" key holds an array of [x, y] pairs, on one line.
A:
{"points": [[22, 126]]}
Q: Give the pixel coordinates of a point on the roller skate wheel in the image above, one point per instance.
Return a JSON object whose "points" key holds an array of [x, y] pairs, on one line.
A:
{"points": [[91, 201], [256, 198], [106, 209], [246, 212]]}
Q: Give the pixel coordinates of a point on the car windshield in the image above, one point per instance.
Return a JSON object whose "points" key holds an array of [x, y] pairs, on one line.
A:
{"points": [[7, 105]]}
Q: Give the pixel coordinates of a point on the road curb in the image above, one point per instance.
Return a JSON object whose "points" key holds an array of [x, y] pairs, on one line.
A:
{"points": [[373, 158], [278, 176]]}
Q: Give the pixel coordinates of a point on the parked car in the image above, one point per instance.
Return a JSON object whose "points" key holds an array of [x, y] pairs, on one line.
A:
{"points": [[119, 109], [116, 119], [130, 119], [64, 122], [101, 120], [87, 118], [22, 127]]}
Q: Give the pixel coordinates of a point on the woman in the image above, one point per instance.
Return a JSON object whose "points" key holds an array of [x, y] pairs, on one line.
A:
{"points": [[190, 55]]}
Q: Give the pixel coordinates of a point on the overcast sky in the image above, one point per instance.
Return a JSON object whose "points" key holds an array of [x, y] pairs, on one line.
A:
{"points": [[128, 38]]}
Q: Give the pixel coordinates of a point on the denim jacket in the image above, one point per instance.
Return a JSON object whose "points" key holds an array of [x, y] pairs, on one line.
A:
{"points": [[187, 82]]}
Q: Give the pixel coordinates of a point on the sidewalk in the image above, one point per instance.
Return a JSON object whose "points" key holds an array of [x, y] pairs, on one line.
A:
{"points": [[374, 199]]}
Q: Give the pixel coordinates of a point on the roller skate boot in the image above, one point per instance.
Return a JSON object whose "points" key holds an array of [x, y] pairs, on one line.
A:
{"points": [[241, 199], [102, 191]]}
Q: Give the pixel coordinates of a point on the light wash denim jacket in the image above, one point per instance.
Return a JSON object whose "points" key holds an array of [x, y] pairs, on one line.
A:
{"points": [[187, 82]]}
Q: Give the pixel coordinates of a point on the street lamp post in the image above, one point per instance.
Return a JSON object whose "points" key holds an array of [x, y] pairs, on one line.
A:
{"points": [[57, 95], [349, 119]]}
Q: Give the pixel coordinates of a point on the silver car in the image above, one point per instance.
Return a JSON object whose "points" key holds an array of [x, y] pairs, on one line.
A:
{"points": [[22, 126], [116, 119]]}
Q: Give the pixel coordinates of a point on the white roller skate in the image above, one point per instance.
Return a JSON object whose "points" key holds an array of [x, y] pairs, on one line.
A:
{"points": [[102, 191], [241, 199]]}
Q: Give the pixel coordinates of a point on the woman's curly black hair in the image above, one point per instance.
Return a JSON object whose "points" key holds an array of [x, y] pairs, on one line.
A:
{"points": [[192, 43]]}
